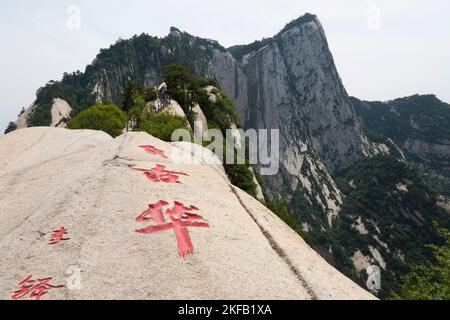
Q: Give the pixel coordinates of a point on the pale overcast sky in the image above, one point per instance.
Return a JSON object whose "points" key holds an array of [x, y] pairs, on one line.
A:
{"points": [[383, 49]]}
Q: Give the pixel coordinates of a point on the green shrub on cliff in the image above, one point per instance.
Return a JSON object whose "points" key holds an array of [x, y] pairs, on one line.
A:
{"points": [[429, 281], [108, 118], [11, 127], [162, 125]]}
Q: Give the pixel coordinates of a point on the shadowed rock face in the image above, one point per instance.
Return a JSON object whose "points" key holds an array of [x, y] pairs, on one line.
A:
{"points": [[95, 188]]}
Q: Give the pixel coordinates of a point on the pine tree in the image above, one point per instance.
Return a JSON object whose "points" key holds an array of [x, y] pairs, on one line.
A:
{"points": [[11, 127], [127, 96]]}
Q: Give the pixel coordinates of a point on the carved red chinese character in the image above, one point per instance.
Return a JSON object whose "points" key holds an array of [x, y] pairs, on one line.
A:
{"points": [[181, 218], [58, 236], [34, 288], [152, 150], [154, 213], [160, 174]]}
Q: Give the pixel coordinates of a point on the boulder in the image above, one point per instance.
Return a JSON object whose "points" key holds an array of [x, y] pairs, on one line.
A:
{"points": [[91, 217]]}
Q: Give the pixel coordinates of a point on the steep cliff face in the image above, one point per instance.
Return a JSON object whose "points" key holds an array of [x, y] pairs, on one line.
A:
{"points": [[290, 83], [419, 125], [293, 85], [142, 59]]}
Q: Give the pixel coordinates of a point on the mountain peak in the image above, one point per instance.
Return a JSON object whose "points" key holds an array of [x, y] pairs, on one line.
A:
{"points": [[175, 32], [239, 51], [174, 29], [306, 18]]}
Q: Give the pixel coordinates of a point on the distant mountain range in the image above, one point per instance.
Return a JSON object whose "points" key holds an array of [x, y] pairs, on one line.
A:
{"points": [[420, 126]]}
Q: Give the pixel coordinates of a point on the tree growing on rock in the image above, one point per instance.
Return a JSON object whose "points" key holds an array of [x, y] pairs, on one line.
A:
{"points": [[108, 118], [128, 96], [11, 127]]}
